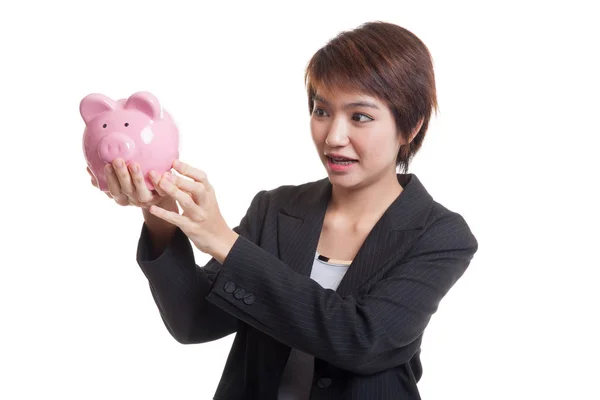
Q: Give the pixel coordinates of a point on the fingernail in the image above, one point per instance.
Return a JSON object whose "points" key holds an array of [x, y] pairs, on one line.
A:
{"points": [[119, 163], [135, 168], [153, 175]]}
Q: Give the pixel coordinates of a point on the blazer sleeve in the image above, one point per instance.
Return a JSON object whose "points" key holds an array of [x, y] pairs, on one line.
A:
{"points": [[179, 286], [366, 334]]}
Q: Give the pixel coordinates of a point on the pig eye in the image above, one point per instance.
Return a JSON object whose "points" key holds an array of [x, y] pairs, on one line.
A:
{"points": [[104, 126], [126, 123]]}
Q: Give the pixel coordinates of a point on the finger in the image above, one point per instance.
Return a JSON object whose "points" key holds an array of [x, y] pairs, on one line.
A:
{"points": [[114, 187], [155, 178], [183, 198], [191, 172], [170, 216], [123, 175], [196, 189], [143, 194]]}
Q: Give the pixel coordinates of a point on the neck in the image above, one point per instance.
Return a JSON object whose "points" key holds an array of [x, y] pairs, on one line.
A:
{"points": [[366, 202]]}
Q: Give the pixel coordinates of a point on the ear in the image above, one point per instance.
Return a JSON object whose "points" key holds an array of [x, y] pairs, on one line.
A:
{"points": [[95, 104], [146, 103], [416, 130]]}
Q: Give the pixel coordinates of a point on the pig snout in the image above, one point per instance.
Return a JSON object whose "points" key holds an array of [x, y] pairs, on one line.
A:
{"points": [[116, 145]]}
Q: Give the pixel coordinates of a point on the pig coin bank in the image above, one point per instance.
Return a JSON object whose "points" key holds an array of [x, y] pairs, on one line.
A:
{"points": [[137, 130]]}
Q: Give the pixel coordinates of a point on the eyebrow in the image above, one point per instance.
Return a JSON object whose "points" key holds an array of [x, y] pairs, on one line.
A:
{"points": [[361, 103]]}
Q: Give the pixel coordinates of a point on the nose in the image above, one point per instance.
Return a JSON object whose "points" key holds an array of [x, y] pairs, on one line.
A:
{"points": [[116, 145], [338, 133]]}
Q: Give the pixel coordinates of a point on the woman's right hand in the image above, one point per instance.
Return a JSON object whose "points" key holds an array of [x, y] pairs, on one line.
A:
{"points": [[127, 187]]}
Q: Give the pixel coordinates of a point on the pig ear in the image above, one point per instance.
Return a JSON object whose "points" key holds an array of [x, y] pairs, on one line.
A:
{"points": [[94, 104], [146, 103]]}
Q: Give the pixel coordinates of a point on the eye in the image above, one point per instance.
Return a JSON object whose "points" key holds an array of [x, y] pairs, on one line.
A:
{"points": [[126, 123], [361, 117], [319, 112], [104, 126]]}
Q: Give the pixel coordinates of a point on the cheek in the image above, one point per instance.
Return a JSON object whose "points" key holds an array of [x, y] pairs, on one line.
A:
{"points": [[375, 146], [369, 143], [317, 131]]}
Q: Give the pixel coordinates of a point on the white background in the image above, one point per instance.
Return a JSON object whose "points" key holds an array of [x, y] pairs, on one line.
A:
{"points": [[513, 150]]}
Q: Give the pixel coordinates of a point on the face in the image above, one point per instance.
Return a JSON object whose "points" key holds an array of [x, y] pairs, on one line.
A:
{"points": [[356, 138]]}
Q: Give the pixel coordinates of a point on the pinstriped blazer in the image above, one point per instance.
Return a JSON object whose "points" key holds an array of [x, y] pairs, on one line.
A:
{"points": [[365, 336]]}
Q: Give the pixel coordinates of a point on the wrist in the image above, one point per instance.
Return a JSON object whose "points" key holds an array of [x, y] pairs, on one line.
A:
{"points": [[158, 224], [222, 246], [168, 203]]}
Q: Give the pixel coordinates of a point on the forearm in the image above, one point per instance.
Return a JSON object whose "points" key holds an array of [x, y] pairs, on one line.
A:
{"points": [[179, 288], [300, 313], [373, 332]]}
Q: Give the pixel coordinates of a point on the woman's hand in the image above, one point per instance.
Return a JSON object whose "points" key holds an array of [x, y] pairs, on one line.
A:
{"points": [[127, 187], [201, 220]]}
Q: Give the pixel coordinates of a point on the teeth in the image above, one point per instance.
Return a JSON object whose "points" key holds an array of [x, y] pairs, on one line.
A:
{"points": [[341, 159]]}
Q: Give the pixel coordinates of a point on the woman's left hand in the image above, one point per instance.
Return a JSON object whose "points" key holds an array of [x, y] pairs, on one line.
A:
{"points": [[201, 219]]}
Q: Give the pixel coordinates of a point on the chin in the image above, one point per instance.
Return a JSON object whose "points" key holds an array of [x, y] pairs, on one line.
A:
{"points": [[346, 181]]}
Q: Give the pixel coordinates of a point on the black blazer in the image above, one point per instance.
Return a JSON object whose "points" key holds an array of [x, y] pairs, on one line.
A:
{"points": [[365, 336]]}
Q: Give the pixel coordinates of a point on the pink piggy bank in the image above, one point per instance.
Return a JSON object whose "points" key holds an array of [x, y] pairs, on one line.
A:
{"points": [[137, 130]]}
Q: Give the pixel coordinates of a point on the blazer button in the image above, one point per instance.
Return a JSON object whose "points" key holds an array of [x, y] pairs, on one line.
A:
{"points": [[324, 383], [229, 287], [239, 293], [249, 299]]}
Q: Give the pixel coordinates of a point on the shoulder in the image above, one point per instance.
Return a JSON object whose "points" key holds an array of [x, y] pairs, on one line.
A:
{"points": [[433, 225], [447, 228]]}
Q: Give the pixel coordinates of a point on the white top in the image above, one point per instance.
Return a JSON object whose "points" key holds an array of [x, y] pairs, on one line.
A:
{"points": [[297, 377]]}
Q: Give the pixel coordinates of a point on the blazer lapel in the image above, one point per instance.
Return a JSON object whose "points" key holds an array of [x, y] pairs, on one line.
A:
{"points": [[301, 220], [299, 226], [392, 234]]}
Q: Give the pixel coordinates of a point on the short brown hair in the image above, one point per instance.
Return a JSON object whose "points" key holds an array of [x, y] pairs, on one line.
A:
{"points": [[386, 61]]}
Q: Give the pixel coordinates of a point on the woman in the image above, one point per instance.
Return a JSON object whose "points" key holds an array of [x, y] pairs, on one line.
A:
{"points": [[328, 285]]}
